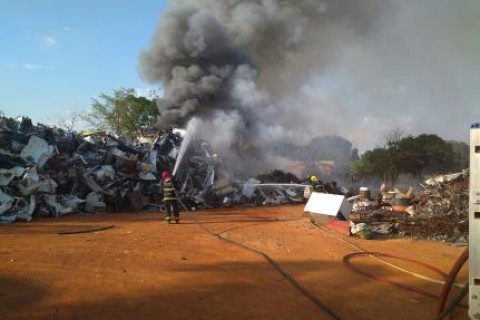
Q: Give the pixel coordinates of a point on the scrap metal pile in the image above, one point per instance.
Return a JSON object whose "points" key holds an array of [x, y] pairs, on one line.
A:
{"points": [[46, 171], [439, 211]]}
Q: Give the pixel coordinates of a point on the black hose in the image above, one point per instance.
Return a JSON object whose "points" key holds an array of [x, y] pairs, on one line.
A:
{"points": [[87, 230], [446, 288], [450, 280], [279, 269], [275, 265], [455, 302]]}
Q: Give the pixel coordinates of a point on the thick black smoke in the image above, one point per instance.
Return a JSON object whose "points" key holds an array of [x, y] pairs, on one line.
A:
{"points": [[256, 72]]}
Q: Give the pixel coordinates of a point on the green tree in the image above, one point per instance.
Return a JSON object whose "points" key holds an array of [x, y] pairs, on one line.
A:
{"points": [[123, 112], [424, 154], [379, 162], [461, 151]]}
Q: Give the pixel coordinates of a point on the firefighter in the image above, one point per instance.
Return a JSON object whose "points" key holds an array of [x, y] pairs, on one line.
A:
{"points": [[316, 184], [170, 199]]}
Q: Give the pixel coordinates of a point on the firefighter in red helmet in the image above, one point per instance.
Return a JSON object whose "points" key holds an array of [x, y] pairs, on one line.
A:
{"points": [[170, 199]]}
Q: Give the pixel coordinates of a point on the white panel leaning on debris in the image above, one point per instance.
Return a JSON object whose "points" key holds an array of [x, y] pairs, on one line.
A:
{"points": [[328, 204], [474, 225]]}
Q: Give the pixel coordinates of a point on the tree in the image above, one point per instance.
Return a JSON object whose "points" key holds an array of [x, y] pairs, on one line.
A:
{"points": [[124, 112], [461, 151], [424, 154], [393, 136], [71, 120]]}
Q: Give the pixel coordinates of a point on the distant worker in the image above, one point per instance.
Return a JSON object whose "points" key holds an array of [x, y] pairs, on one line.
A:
{"points": [[383, 192], [170, 199], [316, 184]]}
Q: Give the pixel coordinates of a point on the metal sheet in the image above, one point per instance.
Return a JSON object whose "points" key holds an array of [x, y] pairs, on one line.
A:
{"points": [[328, 204]]}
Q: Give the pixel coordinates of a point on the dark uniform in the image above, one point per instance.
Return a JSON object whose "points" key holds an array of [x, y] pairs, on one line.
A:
{"points": [[170, 199], [316, 184]]}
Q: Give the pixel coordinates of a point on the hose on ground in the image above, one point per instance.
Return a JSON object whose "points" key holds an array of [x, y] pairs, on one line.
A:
{"points": [[273, 263], [348, 257], [453, 304], [86, 230], [450, 280], [447, 284], [414, 274]]}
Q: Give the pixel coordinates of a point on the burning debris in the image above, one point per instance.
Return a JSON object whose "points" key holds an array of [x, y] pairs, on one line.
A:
{"points": [[48, 172]]}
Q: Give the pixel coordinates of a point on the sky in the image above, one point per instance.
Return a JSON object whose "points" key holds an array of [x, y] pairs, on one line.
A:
{"points": [[413, 65], [297, 69], [56, 55]]}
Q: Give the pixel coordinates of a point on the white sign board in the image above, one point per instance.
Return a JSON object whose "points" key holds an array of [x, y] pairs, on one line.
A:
{"points": [[328, 204]]}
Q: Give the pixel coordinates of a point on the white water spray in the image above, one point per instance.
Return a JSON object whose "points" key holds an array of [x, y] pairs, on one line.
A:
{"points": [[190, 133]]}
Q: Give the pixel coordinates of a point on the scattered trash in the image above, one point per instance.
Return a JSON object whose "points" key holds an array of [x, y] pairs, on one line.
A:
{"points": [[439, 211]]}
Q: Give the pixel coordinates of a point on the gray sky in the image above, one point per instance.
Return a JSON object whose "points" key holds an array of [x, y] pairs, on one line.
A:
{"points": [[290, 70]]}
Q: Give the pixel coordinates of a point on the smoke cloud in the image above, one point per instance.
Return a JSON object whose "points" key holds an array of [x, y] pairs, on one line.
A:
{"points": [[260, 72]]}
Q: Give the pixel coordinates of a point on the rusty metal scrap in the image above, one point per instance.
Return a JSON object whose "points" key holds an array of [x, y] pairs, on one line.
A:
{"points": [[449, 197], [439, 211], [441, 228]]}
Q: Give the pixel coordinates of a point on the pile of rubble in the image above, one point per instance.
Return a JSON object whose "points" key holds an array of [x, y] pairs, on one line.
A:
{"points": [[439, 211], [46, 171]]}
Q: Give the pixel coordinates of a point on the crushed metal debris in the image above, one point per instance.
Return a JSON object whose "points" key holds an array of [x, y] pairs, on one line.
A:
{"points": [[46, 171], [439, 211]]}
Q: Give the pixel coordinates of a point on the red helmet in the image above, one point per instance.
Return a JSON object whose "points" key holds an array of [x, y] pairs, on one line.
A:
{"points": [[165, 175]]}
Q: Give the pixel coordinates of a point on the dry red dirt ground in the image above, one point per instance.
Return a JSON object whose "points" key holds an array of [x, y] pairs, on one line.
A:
{"points": [[145, 269]]}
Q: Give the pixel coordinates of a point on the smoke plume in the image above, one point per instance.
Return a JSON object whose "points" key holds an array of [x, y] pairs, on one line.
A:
{"points": [[259, 72]]}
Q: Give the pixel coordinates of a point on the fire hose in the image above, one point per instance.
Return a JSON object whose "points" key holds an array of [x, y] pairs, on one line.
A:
{"points": [[441, 310], [448, 287], [350, 256], [271, 261], [89, 230]]}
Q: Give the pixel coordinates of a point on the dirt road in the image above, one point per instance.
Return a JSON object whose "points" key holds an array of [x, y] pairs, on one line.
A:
{"points": [[145, 269]]}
